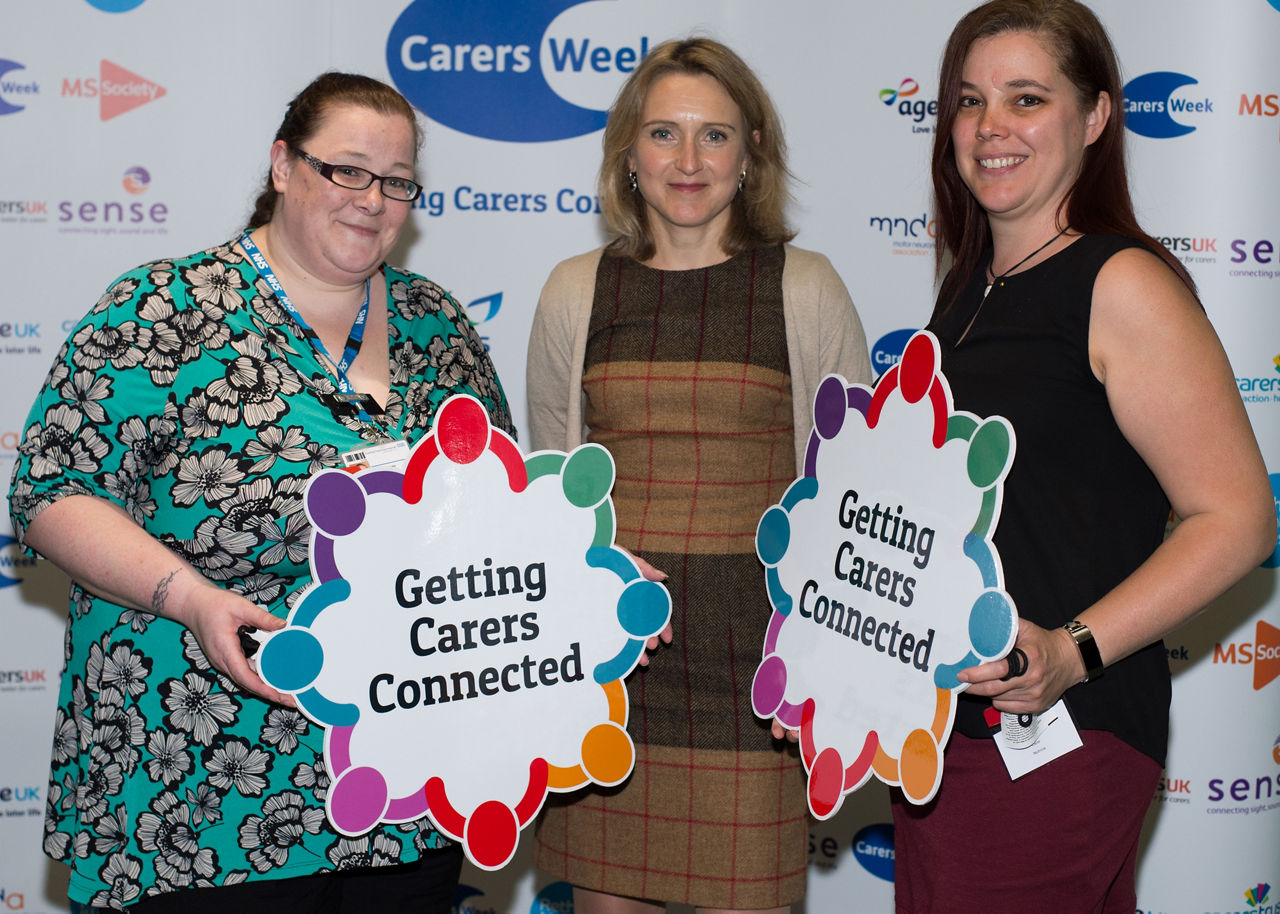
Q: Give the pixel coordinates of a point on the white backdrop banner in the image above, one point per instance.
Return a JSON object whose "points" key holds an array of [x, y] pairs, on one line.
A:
{"points": [[138, 129]]}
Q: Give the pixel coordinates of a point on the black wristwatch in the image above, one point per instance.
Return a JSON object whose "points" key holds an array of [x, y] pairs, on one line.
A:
{"points": [[1088, 648]]}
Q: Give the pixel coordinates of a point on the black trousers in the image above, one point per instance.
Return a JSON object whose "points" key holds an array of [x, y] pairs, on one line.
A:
{"points": [[427, 886]]}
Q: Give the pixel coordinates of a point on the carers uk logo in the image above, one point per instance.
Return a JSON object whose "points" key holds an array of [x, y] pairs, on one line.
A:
{"points": [[482, 67], [1155, 107], [117, 90]]}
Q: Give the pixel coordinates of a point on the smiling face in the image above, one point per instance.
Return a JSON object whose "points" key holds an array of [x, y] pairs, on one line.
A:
{"points": [[1020, 134], [688, 156], [340, 235]]}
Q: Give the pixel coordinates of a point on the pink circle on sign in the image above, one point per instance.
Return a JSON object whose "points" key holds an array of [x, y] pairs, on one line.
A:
{"points": [[357, 800]]}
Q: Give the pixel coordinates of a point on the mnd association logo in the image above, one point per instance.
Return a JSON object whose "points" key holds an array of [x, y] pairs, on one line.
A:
{"points": [[481, 67], [117, 90]]}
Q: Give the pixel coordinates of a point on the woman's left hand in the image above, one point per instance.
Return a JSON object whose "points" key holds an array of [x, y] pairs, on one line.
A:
{"points": [[651, 574], [1053, 666]]}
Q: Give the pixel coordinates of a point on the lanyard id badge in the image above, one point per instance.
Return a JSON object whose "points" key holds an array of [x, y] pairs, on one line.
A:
{"points": [[389, 455]]}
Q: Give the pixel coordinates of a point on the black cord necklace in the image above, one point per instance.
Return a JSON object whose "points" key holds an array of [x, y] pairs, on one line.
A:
{"points": [[1000, 279]]}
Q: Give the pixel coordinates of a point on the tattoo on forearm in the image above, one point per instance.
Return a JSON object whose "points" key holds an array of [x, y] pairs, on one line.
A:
{"points": [[162, 592]]}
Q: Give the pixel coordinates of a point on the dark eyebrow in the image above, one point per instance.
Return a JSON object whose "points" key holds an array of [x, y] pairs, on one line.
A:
{"points": [[1021, 83]]}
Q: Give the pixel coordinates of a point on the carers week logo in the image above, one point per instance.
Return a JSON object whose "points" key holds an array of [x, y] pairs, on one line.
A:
{"points": [[1152, 100], [118, 90], [482, 67], [13, 88]]}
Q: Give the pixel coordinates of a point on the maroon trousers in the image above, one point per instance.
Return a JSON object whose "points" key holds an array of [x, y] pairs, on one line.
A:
{"points": [[1061, 839]]}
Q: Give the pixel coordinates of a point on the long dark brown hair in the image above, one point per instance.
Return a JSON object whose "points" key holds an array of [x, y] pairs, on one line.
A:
{"points": [[306, 113], [1099, 201]]}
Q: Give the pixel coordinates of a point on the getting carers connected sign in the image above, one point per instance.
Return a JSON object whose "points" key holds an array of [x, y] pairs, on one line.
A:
{"points": [[466, 634], [883, 579]]}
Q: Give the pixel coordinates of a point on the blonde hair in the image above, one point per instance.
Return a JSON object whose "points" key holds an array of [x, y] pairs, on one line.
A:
{"points": [[756, 215]]}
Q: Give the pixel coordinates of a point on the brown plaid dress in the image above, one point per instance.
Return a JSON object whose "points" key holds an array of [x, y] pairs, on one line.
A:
{"points": [[687, 384]]}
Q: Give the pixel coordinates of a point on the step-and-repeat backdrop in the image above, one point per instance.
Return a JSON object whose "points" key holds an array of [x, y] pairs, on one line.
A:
{"points": [[132, 130]]}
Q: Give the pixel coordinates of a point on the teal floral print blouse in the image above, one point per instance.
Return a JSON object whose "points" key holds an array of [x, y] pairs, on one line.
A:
{"points": [[190, 399]]}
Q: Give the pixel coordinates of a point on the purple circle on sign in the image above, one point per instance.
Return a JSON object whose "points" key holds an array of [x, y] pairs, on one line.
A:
{"points": [[335, 502]]}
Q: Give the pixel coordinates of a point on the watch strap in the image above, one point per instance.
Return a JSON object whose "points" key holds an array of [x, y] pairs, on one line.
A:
{"points": [[1088, 648]]}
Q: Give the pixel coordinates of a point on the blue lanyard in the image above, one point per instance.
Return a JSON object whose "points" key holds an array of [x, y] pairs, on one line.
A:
{"points": [[354, 338], [346, 390]]}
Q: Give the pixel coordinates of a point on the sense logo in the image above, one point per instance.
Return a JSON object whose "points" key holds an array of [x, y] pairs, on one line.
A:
{"points": [[13, 562], [136, 180], [1149, 105], [118, 90], [1258, 895], [11, 88], [12, 901], [1263, 653], [887, 351], [481, 67], [873, 848]]}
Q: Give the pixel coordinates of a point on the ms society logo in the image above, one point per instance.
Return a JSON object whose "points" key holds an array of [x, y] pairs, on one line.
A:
{"points": [[1263, 653], [118, 90], [1149, 105], [478, 67]]}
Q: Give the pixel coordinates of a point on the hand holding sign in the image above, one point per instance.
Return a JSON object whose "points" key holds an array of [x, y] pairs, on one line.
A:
{"points": [[883, 579], [463, 660]]}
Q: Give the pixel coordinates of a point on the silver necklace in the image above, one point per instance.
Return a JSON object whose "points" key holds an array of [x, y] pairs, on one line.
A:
{"points": [[1000, 279]]}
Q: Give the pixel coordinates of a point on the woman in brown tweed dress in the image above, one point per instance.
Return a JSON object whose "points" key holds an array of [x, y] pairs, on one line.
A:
{"points": [[690, 347]]}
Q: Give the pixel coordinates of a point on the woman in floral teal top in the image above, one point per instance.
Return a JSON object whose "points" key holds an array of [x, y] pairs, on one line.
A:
{"points": [[163, 467]]}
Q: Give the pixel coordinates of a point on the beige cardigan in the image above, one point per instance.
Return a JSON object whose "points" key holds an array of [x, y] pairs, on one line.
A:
{"points": [[824, 336]]}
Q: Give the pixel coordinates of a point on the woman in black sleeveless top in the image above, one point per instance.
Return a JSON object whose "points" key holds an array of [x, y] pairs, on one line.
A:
{"points": [[1060, 314]]}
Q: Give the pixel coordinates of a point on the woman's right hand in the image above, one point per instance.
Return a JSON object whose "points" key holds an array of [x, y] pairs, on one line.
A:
{"points": [[101, 547], [215, 617]]}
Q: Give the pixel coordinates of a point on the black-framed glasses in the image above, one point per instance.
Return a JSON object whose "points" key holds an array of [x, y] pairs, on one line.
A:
{"points": [[353, 178]]}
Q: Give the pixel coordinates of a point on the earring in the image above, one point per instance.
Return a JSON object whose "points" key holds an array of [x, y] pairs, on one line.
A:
{"points": [[631, 178], [742, 179]]}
